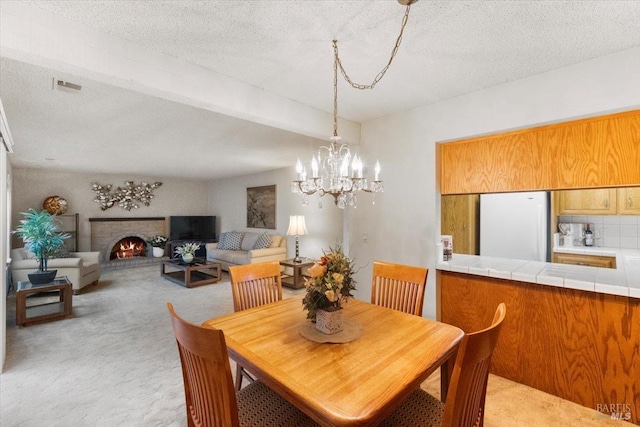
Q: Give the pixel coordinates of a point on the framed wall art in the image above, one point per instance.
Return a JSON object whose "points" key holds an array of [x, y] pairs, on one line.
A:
{"points": [[261, 207]]}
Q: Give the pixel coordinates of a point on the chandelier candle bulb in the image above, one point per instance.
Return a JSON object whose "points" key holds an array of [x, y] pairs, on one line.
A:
{"points": [[377, 171], [314, 167], [299, 169]]}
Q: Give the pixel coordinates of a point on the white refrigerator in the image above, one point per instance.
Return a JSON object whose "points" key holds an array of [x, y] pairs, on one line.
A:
{"points": [[515, 225]]}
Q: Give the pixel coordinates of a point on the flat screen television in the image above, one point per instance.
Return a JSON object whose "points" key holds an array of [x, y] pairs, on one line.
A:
{"points": [[201, 228]]}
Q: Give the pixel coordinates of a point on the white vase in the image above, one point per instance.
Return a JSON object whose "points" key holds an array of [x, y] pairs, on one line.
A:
{"points": [[158, 252], [187, 258], [329, 322]]}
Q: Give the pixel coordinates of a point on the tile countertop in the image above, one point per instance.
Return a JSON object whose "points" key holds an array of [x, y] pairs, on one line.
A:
{"points": [[623, 280]]}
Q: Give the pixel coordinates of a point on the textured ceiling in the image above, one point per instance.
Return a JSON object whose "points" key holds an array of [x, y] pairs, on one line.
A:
{"points": [[449, 48]]}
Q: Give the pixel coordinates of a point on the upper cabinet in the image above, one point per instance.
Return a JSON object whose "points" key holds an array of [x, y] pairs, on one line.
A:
{"points": [[629, 201], [595, 152], [601, 201]]}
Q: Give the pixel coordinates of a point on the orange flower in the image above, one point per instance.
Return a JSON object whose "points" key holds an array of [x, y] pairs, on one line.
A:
{"points": [[317, 270]]}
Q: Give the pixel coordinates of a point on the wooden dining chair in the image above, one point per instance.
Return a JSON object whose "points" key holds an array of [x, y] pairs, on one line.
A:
{"points": [[464, 405], [254, 285], [400, 287], [208, 386]]}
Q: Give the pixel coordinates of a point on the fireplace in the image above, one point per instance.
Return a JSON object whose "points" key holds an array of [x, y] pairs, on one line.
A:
{"points": [[129, 247], [122, 242]]}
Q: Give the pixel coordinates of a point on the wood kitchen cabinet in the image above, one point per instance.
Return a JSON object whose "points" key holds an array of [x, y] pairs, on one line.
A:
{"points": [[600, 201], [588, 260], [460, 218], [628, 201]]}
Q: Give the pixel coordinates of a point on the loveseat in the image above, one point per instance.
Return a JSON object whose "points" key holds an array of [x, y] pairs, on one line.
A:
{"points": [[82, 268], [246, 247]]}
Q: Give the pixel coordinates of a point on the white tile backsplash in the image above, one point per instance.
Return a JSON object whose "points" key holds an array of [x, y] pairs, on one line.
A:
{"points": [[611, 242], [629, 230], [595, 219], [628, 219], [611, 219], [629, 242], [610, 231]]}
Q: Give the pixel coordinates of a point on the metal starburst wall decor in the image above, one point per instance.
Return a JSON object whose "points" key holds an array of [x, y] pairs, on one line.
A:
{"points": [[126, 197]]}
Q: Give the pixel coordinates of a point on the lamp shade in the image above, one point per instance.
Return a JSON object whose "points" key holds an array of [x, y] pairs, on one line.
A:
{"points": [[297, 227]]}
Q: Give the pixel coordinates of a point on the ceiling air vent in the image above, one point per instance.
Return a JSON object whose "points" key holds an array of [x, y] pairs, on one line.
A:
{"points": [[61, 84]]}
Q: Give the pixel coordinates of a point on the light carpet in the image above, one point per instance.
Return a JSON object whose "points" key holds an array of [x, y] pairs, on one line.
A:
{"points": [[114, 363]]}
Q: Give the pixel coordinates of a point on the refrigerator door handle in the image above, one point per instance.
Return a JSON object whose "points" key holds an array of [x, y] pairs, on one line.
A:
{"points": [[539, 234]]}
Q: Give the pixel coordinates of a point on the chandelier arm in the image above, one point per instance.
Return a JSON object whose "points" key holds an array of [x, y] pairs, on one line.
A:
{"points": [[379, 76]]}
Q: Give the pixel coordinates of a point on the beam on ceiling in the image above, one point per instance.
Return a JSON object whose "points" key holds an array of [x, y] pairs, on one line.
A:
{"points": [[38, 37]]}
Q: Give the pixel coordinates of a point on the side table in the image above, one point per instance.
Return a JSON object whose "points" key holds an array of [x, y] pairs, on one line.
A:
{"points": [[296, 280], [48, 311]]}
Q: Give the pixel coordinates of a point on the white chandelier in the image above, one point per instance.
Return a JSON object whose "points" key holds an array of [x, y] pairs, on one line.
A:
{"points": [[334, 170]]}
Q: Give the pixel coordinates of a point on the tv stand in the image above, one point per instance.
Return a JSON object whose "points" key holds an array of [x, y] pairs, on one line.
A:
{"points": [[200, 253]]}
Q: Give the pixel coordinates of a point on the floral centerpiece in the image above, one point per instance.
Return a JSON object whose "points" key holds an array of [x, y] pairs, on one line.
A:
{"points": [[329, 285], [187, 251]]}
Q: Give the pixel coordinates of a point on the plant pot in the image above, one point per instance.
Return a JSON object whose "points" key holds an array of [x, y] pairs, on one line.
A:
{"points": [[188, 258], [158, 252], [42, 277], [329, 322]]}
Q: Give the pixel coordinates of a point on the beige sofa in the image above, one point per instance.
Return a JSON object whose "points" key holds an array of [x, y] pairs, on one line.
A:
{"points": [[246, 255], [82, 268]]}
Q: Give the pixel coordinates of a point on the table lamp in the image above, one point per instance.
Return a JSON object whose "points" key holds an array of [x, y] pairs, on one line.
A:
{"points": [[297, 227]]}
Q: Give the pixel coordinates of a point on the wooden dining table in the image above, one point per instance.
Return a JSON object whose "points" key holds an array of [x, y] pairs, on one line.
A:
{"points": [[350, 384]]}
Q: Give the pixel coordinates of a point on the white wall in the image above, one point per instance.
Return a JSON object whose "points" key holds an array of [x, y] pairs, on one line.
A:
{"points": [[5, 203], [402, 227], [174, 197], [228, 201]]}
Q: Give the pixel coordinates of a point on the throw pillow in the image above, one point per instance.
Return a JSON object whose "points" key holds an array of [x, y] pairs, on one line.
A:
{"points": [[276, 240], [249, 240], [234, 240], [222, 240], [264, 241], [28, 254]]}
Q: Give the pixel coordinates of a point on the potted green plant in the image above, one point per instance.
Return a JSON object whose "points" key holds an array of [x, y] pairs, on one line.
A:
{"points": [[41, 235], [158, 242], [187, 251]]}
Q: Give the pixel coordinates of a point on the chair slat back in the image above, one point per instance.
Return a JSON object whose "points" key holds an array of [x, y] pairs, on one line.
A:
{"points": [[465, 400], [255, 284], [400, 287], [208, 385]]}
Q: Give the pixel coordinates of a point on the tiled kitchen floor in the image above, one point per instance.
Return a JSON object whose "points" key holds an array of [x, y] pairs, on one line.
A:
{"points": [[511, 404]]}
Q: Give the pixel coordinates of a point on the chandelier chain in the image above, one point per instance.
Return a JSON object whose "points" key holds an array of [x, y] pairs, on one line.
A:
{"points": [[338, 173], [379, 76]]}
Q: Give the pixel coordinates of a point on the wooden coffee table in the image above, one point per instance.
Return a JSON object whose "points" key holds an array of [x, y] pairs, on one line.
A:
{"points": [[196, 273], [26, 314]]}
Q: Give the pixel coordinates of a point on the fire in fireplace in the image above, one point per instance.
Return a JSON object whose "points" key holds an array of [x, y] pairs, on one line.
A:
{"points": [[129, 247]]}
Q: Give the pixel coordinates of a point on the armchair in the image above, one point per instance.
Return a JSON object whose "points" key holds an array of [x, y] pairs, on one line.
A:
{"points": [[82, 268]]}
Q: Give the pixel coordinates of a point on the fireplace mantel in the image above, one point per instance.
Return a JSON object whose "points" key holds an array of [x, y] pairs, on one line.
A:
{"points": [[143, 218]]}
